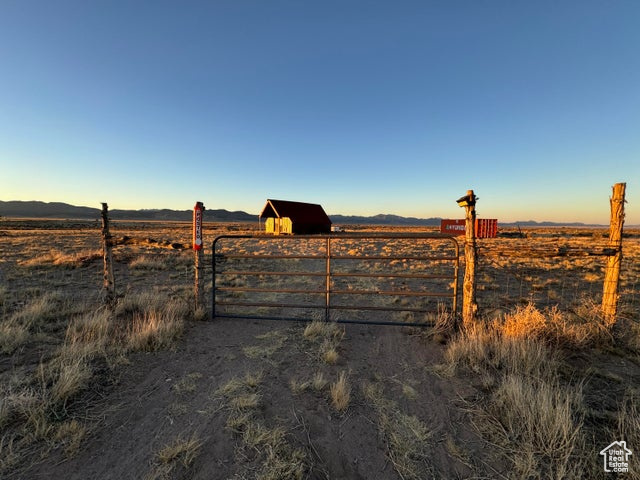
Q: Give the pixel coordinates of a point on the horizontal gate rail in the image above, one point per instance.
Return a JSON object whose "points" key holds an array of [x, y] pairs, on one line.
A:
{"points": [[323, 295]]}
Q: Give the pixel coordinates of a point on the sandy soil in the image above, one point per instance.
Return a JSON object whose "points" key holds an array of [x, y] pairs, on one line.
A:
{"points": [[144, 411]]}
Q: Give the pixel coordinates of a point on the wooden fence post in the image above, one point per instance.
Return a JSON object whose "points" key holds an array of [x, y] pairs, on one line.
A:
{"points": [[469, 305], [612, 274], [107, 258], [198, 212]]}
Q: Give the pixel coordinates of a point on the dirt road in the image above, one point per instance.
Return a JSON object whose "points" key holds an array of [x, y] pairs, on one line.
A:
{"points": [[402, 420]]}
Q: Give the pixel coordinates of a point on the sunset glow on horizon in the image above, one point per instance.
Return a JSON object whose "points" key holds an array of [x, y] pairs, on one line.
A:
{"points": [[365, 108]]}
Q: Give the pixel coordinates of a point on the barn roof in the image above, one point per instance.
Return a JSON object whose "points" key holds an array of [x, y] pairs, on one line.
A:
{"points": [[298, 212]]}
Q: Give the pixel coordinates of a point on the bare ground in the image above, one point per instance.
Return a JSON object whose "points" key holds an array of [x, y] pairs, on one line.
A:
{"points": [[147, 408]]}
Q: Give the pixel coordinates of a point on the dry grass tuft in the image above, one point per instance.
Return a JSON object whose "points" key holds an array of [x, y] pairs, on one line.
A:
{"points": [[482, 348], [61, 259], [89, 335], [70, 376], [40, 310], [278, 458], [340, 393], [297, 386], [271, 342], [319, 382], [182, 450], [12, 336], [587, 328], [407, 436], [330, 355], [188, 384], [70, 435], [38, 314], [147, 262], [538, 423], [324, 330], [156, 329]]}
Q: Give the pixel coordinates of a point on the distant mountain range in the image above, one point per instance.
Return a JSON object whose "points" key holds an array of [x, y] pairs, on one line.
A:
{"points": [[35, 209], [63, 210]]}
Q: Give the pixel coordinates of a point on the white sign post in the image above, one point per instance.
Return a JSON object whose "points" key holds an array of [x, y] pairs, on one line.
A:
{"points": [[197, 244]]}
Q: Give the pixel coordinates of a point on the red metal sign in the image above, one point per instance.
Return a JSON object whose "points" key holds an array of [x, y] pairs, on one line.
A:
{"points": [[452, 227], [485, 227], [197, 225]]}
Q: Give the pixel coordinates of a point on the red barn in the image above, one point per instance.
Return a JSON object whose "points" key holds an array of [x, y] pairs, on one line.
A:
{"points": [[285, 217]]}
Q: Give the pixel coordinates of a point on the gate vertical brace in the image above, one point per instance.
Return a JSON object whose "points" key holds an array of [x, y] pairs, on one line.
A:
{"points": [[610, 294], [327, 304]]}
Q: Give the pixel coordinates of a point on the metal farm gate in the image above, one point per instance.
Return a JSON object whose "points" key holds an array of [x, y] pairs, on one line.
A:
{"points": [[382, 279]]}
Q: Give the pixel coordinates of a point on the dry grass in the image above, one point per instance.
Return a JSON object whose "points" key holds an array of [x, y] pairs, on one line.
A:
{"points": [[628, 428], [181, 450], [189, 384], [39, 311], [533, 416], [556, 328], [538, 424], [61, 259], [37, 314], [70, 436], [407, 436], [70, 376], [278, 458], [319, 382], [156, 321], [12, 336], [155, 330], [325, 330], [147, 262], [327, 335], [32, 411], [297, 386], [483, 349], [270, 343], [330, 354], [340, 393]]}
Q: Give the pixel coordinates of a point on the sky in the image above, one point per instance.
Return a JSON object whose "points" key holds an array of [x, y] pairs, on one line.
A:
{"points": [[365, 107]]}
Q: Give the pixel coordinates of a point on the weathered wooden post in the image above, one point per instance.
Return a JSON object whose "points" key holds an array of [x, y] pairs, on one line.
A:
{"points": [[107, 258], [469, 305], [612, 274], [198, 211]]}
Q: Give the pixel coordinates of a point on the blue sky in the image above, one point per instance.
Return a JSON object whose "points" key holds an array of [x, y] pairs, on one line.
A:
{"points": [[363, 106]]}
